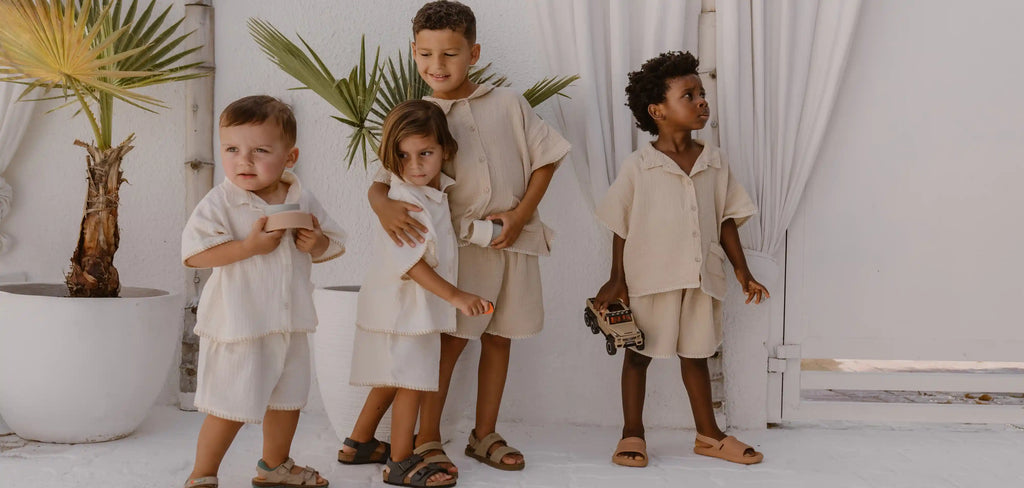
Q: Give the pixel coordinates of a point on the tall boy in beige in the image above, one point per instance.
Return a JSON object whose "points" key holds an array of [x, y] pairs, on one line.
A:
{"points": [[507, 156]]}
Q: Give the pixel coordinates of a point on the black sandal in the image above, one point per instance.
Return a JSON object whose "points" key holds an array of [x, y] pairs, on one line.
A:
{"points": [[414, 471], [366, 452]]}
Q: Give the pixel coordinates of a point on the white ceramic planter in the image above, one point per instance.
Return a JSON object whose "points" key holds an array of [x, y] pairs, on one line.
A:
{"points": [[78, 370], [332, 350]]}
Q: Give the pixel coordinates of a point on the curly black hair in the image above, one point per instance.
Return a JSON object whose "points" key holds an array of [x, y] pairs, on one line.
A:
{"points": [[444, 14], [648, 85]]}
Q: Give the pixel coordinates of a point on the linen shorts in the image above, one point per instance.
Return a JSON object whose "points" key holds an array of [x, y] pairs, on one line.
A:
{"points": [[240, 381], [399, 361], [510, 280], [685, 323]]}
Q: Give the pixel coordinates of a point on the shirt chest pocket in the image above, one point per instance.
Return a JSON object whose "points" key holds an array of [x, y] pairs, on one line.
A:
{"points": [[712, 275]]}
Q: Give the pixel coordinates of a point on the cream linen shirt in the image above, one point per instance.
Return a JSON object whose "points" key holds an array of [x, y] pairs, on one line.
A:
{"points": [[391, 302], [263, 294], [671, 221], [502, 141]]}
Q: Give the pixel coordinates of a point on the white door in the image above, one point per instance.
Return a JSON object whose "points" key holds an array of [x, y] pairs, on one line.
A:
{"points": [[909, 244]]}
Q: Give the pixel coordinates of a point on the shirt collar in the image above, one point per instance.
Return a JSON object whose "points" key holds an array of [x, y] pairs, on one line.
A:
{"points": [[238, 196], [430, 192], [446, 105], [709, 156]]}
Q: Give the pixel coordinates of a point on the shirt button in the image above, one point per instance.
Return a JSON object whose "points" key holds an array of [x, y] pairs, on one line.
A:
{"points": [[693, 207], [694, 233], [483, 159], [689, 182], [472, 128], [696, 258]]}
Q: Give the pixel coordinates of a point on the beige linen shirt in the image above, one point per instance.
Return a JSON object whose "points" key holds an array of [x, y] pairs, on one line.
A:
{"points": [[671, 221], [501, 142], [391, 302], [264, 294]]}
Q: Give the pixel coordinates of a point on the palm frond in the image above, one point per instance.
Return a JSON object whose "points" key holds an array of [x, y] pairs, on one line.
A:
{"points": [[92, 53], [547, 88]]}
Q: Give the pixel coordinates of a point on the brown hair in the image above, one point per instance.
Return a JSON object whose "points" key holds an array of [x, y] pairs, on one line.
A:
{"points": [[256, 109], [414, 118], [443, 14]]}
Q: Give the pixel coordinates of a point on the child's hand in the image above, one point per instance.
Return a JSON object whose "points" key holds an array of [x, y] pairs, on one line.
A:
{"points": [[511, 225], [400, 226], [261, 242], [754, 290], [313, 241], [614, 289], [470, 304]]}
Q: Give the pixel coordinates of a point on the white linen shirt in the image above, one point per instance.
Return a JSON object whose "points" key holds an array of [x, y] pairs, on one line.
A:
{"points": [[263, 294], [672, 221], [391, 302], [502, 141]]}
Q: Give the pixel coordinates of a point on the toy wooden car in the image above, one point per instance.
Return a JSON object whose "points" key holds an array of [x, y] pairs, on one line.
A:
{"points": [[616, 324]]}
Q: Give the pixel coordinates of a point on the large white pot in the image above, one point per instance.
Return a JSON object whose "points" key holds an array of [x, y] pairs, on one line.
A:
{"points": [[332, 350], [83, 369]]}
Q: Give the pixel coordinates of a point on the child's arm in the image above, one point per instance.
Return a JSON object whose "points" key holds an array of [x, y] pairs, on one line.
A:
{"points": [[426, 277], [394, 216], [313, 241], [615, 288], [513, 220], [730, 240], [256, 243]]}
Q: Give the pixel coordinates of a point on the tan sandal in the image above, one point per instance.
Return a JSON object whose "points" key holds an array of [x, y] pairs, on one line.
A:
{"points": [[477, 449], [631, 445], [729, 449], [282, 476], [437, 459]]}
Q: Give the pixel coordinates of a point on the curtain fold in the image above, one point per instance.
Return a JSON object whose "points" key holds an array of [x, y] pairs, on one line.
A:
{"points": [[14, 118], [603, 41], [780, 64]]}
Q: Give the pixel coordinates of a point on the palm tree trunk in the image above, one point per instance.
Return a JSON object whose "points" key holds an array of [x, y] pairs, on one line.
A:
{"points": [[92, 267]]}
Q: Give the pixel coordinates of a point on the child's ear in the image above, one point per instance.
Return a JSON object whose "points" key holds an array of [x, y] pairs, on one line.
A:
{"points": [[474, 54], [293, 157], [654, 110]]}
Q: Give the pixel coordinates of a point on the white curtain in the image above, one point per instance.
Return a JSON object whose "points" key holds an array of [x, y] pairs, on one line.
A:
{"points": [[13, 122], [602, 41], [780, 64]]}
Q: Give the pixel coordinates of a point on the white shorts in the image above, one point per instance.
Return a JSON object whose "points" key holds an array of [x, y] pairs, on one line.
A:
{"points": [[398, 361], [240, 381]]}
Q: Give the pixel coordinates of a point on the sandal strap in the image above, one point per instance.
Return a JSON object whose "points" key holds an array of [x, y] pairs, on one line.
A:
{"points": [[283, 473], [632, 444], [365, 450], [202, 482], [428, 446], [407, 468]]}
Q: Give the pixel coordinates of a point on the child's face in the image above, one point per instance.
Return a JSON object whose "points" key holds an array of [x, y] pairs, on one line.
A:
{"points": [[421, 158], [443, 58], [685, 107], [255, 156]]}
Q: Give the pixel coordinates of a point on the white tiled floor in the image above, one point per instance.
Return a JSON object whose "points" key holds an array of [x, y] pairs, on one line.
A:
{"points": [[160, 454]]}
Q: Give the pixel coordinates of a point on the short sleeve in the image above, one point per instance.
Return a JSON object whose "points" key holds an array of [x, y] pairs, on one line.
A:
{"points": [[382, 176], [335, 234], [206, 228], [614, 209], [738, 205], [546, 145]]}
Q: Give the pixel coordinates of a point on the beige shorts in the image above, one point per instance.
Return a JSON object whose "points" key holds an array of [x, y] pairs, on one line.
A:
{"points": [[509, 279], [685, 323], [240, 381], [399, 361]]}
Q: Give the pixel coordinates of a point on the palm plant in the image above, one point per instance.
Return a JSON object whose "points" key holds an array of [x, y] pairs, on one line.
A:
{"points": [[371, 90], [93, 52]]}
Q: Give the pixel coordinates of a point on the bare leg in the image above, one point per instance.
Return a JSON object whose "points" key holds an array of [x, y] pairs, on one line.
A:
{"points": [[403, 422], [215, 438], [378, 401], [278, 432], [634, 391], [698, 387], [433, 402], [495, 352]]}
